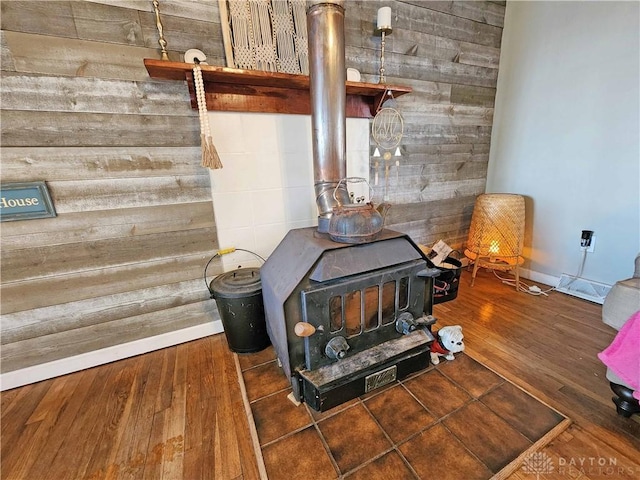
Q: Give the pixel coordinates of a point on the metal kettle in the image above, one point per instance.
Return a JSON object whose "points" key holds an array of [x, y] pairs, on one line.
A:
{"points": [[356, 222]]}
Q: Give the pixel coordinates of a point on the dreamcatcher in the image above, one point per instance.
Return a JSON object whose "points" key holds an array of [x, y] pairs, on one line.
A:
{"points": [[387, 130]]}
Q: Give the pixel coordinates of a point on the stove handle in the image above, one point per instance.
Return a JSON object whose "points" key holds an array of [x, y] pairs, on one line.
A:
{"points": [[336, 348], [405, 324], [304, 329]]}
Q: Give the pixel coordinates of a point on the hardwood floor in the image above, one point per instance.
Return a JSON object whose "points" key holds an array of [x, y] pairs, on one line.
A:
{"points": [[177, 413], [170, 414]]}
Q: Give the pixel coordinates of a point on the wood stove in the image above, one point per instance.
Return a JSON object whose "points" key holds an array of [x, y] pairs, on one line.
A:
{"points": [[366, 308], [348, 305]]}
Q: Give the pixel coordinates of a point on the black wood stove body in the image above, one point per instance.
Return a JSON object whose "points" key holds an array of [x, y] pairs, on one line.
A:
{"points": [[366, 308]]}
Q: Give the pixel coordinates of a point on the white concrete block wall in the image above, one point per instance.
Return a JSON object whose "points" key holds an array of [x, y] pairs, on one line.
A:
{"points": [[266, 186]]}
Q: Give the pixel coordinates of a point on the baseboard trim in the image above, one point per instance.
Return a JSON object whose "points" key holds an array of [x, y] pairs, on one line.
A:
{"points": [[37, 373], [539, 277]]}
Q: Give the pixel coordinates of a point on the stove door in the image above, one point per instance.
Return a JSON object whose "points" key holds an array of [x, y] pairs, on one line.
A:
{"points": [[353, 314]]}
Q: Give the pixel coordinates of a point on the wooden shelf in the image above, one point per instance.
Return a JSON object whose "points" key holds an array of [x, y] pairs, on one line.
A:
{"points": [[235, 90]]}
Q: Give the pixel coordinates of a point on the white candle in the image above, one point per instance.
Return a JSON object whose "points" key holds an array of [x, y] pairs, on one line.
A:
{"points": [[384, 18]]}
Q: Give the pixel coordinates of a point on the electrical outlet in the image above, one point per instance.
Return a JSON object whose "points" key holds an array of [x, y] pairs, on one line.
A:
{"points": [[585, 238], [588, 245], [592, 244]]}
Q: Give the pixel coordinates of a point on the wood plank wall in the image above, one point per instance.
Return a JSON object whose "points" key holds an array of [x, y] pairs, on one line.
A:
{"points": [[124, 258], [120, 152]]}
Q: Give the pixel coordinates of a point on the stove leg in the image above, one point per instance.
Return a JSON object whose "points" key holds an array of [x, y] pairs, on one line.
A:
{"points": [[626, 404]]}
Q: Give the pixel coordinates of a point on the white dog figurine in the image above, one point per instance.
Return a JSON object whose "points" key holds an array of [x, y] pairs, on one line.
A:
{"points": [[449, 340]]}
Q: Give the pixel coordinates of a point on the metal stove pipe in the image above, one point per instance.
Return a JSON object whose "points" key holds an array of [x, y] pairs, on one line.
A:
{"points": [[327, 76]]}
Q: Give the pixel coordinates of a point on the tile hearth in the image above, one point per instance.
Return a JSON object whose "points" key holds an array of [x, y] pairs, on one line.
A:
{"points": [[456, 420]]}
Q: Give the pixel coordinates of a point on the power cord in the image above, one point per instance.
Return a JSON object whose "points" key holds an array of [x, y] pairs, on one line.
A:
{"points": [[524, 287], [534, 289]]}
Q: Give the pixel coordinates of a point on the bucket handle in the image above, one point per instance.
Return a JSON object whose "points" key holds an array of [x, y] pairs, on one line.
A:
{"points": [[219, 253]]}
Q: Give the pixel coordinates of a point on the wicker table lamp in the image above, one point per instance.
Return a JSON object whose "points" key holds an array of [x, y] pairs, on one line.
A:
{"points": [[496, 235]]}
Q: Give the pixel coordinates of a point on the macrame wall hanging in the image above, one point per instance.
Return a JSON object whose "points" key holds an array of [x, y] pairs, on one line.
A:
{"points": [[268, 35]]}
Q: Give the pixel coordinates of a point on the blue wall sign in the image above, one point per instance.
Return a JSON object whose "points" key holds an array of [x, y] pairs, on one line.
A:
{"points": [[24, 201]]}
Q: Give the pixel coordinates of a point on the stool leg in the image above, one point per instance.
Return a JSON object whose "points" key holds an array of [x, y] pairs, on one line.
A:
{"points": [[517, 278], [476, 264]]}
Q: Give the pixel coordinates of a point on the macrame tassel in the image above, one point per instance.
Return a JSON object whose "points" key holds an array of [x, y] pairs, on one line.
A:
{"points": [[210, 157]]}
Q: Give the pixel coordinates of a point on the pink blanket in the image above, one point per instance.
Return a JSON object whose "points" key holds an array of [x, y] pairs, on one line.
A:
{"points": [[623, 355]]}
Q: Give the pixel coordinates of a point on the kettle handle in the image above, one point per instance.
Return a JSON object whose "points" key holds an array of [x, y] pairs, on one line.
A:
{"points": [[352, 180]]}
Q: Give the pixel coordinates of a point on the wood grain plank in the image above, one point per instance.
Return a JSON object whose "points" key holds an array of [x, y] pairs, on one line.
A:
{"points": [[400, 66], [84, 285], [439, 162], [425, 92], [174, 428], [37, 322], [6, 58], [193, 424], [72, 455], [116, 420], [484, 12], [72, 163], [227, 463], [210, 389], [45, 54], [428, 210], [480, 55], [423, 45], [419, 175], [52, 347], [162, 399], [53, 18], [437, 114], [132, 453], [67, 129], [15, 430], [107, 23], [30, 263], [62, 418], [426, 134], [178, 8], [446, 151], [73, 196], [130, 222], [125, 457], [471, 95], [203, 33], [425, 20], [437, 191], [93, 95]]}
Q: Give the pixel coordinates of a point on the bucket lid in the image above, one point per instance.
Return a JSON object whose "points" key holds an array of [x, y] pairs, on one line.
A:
{"points": [[240, 283]]}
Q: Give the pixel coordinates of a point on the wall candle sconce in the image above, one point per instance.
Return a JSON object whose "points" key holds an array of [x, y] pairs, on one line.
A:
{"points": [[161, 40], [383, 28]]}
